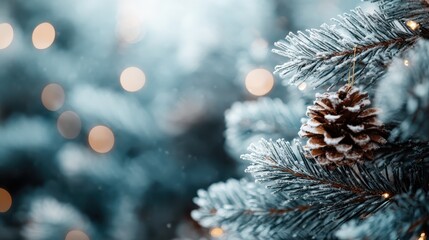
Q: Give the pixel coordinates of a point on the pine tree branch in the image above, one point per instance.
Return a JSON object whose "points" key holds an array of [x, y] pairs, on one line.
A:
{"points": [[325, 56], [313, 201], [346, 192], [408, 218], [265, 118], [251, 211], [247, 209], [282, 166], [405, 10], [401, 152], [116, 110], [403, 94], [49, 218]]}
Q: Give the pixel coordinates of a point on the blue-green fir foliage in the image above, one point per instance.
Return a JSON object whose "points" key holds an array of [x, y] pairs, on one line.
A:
{"points": [[294, 197]]}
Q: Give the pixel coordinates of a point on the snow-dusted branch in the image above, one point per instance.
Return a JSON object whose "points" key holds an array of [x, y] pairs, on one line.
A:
{"points": [[403, 94], [265, 118], [285, 168], [243, 207], [347, 192], [407, 219], [406, 10], [324, 56]]}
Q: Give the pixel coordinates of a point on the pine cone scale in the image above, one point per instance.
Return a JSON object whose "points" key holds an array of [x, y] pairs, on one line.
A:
{"points": [[315, 143], [332, 118], [343, 148], [313, 123], [308, 130], [334, 156], [370, 112], [356, 129], [332, 141], [378, 139]]}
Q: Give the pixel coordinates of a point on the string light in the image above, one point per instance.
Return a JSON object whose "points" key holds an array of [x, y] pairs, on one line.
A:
{"points": [[406, 62], [101, 139], [302, 86], [422, 236], [43, 35], [76, 235], [412, 25], [132, 79], [5, 200], [259, 82], [6, 35], [53, 97], [216, 232], [386, 195], [69, 124]]}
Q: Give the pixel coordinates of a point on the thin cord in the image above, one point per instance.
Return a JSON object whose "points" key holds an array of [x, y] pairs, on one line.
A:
{"points": [[354, 66], [351, 76]]}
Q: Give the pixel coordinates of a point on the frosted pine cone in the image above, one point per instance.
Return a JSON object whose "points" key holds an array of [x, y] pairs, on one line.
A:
{"points": [[341, 129]]}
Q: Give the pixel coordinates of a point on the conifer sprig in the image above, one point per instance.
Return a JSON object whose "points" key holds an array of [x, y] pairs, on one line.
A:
{"points": [[324, 56]]}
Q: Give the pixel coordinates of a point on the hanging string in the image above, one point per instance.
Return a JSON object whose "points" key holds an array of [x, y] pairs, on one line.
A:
{"points": [[354, 66], [351, 79]]}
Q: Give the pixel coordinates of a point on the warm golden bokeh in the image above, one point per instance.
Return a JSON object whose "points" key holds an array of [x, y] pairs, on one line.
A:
{"points": [[43, 35], [6, 35], [132, 79], [101, 139], [259, 82], [69, 124], [53, 96], [216, 232], [406, 62], [302, 86], [5, 200], [76, 235], [412, 25]]}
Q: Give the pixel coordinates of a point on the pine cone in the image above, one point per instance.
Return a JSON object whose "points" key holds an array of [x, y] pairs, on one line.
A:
{"points": [[341, 129]]}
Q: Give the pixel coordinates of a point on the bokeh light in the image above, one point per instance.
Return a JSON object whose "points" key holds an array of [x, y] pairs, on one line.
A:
{"points": [[5, 200], [101, 139], [302, 86], [406, 62], [216, 232], [130, 22], [6, 35], [259, 82], [69, 124], [132, 79], [76, 235], [43, 35], [412, 25], [53, 97]]}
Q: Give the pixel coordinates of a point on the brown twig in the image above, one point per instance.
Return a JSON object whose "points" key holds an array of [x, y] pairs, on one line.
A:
{"points": [[337, 185], [360, 49]]}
